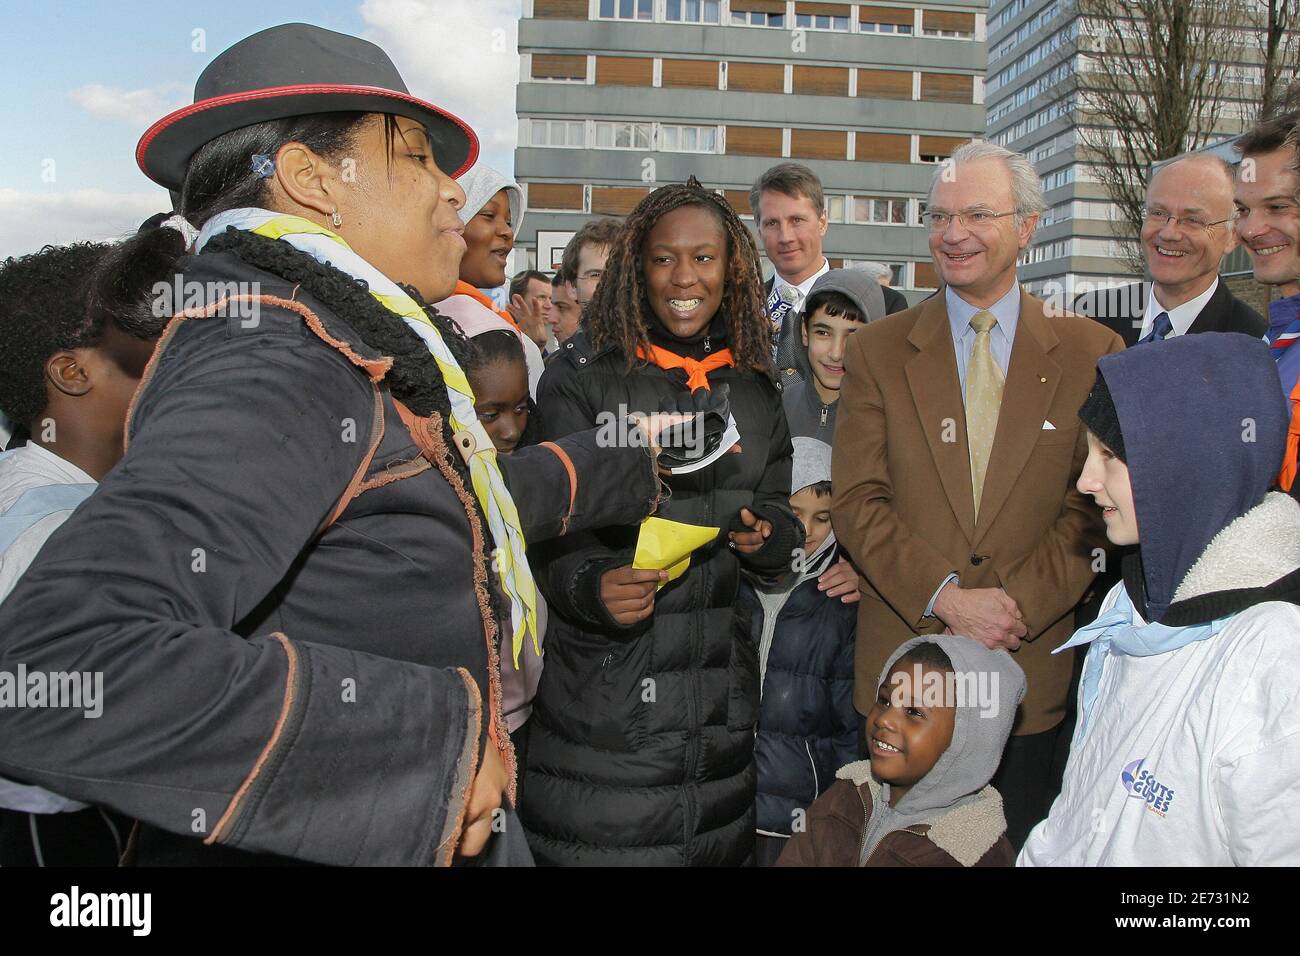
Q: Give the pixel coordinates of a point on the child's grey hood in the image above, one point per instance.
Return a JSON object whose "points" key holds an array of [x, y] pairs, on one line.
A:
{"points": [[482, 183], [982, 723]]}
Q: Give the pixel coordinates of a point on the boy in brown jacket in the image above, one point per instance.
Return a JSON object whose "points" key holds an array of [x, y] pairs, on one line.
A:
{"points": [[942, 715]]}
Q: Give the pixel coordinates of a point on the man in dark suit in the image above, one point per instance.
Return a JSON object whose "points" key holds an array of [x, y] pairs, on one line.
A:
{"points": [[1187, 231], [790, 210]]}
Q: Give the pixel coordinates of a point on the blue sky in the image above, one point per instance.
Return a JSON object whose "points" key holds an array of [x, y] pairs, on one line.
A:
{"points": [[80, 80]]}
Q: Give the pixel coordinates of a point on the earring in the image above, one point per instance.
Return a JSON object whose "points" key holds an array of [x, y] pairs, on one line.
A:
{"points": [[335, 219]]}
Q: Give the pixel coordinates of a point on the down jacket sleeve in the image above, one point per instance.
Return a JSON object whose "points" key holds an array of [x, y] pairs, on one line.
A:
{"points": [[569, 571], [236, 461]]}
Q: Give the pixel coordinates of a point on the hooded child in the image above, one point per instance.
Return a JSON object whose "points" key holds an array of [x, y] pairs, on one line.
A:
{"points": [[937, 730], [840, 303], [807, 726], [493, 210], [1187, 746]]}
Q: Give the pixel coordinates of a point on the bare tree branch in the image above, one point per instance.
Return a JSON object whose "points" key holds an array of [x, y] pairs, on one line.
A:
{"points": [[1152, 85]]}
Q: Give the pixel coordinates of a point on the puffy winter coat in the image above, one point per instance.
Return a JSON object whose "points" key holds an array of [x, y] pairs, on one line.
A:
{"points": [[807, 727], [641, 748]]}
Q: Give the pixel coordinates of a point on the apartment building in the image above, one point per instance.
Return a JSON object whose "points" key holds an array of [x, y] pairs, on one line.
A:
{"points": [[618, 96], [1038, 50]]}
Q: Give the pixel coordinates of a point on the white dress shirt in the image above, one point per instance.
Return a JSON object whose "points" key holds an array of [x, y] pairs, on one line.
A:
{"points": [[804, 287], [1181, 317]]}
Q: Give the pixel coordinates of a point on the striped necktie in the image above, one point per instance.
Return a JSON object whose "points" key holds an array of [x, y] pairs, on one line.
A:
{"points": [[984, 381]]}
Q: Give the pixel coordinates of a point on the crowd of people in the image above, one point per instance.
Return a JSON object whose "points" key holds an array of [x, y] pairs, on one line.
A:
{"points": [[372, 571]]}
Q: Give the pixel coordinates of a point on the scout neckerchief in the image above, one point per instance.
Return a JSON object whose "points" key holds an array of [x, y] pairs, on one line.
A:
{"points": [[696, 370], [489, 485]]}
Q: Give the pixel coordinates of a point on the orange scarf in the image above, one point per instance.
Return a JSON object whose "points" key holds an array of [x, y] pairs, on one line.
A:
{"points": [[696, 371], [464, 288], [1288, 474]]}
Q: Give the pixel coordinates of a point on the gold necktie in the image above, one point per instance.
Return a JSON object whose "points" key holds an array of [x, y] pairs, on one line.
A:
{"points": [[984, 381]]}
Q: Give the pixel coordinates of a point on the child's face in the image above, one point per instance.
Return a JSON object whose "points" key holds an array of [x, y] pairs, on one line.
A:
{"points": [[501, 393], [826, 337], [685, 257], [907, 738], [1106, 478], [815, 514]]}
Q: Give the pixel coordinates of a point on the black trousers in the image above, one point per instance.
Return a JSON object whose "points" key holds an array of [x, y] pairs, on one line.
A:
{"points": [[90, 837]]}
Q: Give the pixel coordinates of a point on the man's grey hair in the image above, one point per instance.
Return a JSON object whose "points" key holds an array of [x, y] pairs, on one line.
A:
{"points": [[1026, 187], [877, 270]]}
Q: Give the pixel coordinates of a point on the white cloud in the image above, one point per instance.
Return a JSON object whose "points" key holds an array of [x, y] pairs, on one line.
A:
{"points": [[137, 107], [29, 221], [460, 56]]}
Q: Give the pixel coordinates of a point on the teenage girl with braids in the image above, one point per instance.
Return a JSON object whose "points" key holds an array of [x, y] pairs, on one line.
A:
{"points": [[642, 735], [298, 580]]}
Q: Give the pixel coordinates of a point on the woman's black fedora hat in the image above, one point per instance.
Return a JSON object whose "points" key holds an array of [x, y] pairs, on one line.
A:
{"points": [[295, 69]]}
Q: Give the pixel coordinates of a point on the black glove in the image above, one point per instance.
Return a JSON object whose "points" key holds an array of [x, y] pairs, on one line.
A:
{"points": [[699, 437]]}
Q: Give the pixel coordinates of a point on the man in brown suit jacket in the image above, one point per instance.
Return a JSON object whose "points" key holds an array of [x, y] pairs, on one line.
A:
{"points": [[955, 456]]}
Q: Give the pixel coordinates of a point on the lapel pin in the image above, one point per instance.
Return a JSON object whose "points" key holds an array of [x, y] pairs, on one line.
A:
{"points": [[1042, 379]]}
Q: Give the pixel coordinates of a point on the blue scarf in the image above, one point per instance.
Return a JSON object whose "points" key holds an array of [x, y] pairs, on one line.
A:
{"points": [[1116, 633]]}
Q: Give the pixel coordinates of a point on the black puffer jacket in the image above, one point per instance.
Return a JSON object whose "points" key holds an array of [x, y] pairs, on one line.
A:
{"points": [[807, 727], [642, 737]]}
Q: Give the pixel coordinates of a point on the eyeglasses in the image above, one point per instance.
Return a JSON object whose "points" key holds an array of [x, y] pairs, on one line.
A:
{"points": [[1162, 217], [938, 220]]}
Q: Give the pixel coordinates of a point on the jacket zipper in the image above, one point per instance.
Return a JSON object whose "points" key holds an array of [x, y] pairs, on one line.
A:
{"points": [[707, 346], [825, 409], [692, 678], [817, 784], [866, 824]]}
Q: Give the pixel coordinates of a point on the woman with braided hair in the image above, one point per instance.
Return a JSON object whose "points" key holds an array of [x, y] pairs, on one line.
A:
{"points": [[299, 580], [641, 747]]}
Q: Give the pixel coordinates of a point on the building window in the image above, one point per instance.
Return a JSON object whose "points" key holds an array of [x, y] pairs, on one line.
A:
{"points": [[693, 11], [835, 208], [948, 34], [758, 13], [921, 205], [810, 21], [627, 9], [869, 27], [559, 69], [897, 273], [879, 210], [565, 133], [624, 135], [688, 139]]}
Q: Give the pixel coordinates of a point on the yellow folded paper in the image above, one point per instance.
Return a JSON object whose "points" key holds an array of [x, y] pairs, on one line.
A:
{"points": [[666, 545]]}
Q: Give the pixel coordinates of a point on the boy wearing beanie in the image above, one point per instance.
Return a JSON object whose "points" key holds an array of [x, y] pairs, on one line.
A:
{"points": [[806, 723], [1187, 746], [941, 719], [839, 303]]}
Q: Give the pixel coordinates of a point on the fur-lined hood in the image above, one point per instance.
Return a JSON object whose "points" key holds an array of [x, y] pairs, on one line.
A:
{"points": [[966, 832], [1255, 559]]}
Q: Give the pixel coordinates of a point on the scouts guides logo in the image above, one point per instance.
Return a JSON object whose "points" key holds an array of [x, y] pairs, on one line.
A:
{"points": [[1142, 785]]}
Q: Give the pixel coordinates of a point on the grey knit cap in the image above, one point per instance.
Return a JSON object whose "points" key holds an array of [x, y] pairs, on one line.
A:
{"points": [[812, 463]]}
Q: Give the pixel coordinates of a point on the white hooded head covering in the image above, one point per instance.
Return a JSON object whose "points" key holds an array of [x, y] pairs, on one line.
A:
{"points": [[483, 182]]}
